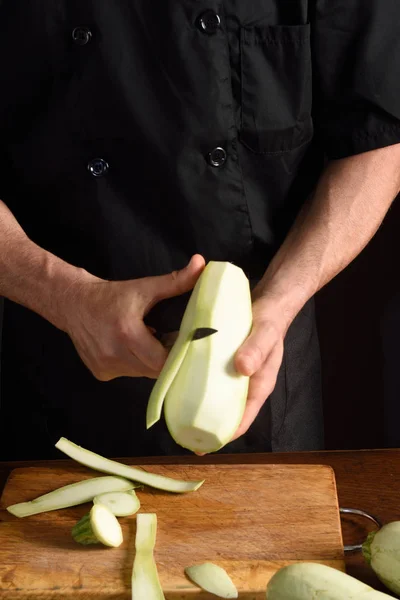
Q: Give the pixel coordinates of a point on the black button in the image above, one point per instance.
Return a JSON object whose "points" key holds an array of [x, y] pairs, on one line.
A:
{"points": [[217, 157], [209, 22], [81, 35], [97, 167]]}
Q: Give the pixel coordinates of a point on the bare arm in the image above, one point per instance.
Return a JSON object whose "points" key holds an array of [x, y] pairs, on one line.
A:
{"points": [[103, 318], [348, 206], [31, 276]]}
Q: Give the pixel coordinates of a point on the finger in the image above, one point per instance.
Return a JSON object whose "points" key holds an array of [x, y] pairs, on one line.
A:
{"points": [[175, 283], [147, 348], [124, 365], [108, 361], [261, 386], [132, 365], [127, 370], [138, 370], [256, 349]]}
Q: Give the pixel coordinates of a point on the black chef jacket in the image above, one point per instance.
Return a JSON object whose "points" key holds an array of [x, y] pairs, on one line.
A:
{"points": [[134, 134]]}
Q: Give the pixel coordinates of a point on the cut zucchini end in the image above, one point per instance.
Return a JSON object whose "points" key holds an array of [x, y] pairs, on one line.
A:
{"points": [[105, 526], [121, 504]]}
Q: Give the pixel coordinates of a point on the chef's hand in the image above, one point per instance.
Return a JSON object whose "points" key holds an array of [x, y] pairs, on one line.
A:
{"points": [[260, 357], [105, 322]]}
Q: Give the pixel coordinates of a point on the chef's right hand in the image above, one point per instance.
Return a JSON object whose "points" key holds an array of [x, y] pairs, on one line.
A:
{"points": [[104, 319]]}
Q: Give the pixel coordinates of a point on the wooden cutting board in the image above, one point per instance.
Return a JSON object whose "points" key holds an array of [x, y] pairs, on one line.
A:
{"points": [[249, 519]]}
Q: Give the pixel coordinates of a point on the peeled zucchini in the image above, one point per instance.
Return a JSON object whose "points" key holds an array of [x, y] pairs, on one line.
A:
{"points": [[100, 526], [382, 552], [306, 581], [204, 396]]}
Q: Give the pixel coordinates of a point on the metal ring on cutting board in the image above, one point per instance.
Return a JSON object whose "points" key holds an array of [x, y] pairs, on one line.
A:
{"points": [[360, 513]]}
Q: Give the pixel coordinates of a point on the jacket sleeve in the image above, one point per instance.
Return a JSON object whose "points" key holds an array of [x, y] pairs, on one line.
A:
{"points": [[356, 75]]}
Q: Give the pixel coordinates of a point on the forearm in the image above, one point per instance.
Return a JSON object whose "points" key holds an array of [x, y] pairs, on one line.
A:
{"points": [[347, 208], [31, 276]]}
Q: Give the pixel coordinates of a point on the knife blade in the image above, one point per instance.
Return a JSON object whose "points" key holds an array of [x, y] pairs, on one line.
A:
{"points": [[203, 332], [168, 339]]}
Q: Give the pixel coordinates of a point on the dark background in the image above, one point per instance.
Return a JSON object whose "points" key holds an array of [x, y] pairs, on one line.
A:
{"points": [[359, 328]]}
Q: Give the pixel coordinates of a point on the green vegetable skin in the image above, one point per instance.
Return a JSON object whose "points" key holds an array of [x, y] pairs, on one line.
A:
{"points": [[105, 465], [203, 395], [212, 578], [70, 495], [382, 551], [145, 582], [313, 581]]}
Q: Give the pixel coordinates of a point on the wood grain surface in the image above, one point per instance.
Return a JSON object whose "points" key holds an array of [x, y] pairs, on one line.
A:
{"points": [[250, 519]]}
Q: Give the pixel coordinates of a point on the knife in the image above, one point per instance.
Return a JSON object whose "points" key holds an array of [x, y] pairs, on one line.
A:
{"points": [[168, 339], [203, 332]]}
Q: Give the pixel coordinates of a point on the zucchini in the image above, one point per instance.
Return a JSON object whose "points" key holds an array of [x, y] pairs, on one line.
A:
{"points": [[71, 495], [213, 579], [145, 581], [121, 504], [98, 526], [105, 465], [382, 552], [204, 396], [306, 581], [172, 364]]}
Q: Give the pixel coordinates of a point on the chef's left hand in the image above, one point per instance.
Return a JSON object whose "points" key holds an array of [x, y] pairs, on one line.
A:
{"points": [[260, 357]]}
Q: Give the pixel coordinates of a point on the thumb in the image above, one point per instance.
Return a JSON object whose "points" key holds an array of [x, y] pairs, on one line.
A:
{"points": [[255, 350], [177, 282]]}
